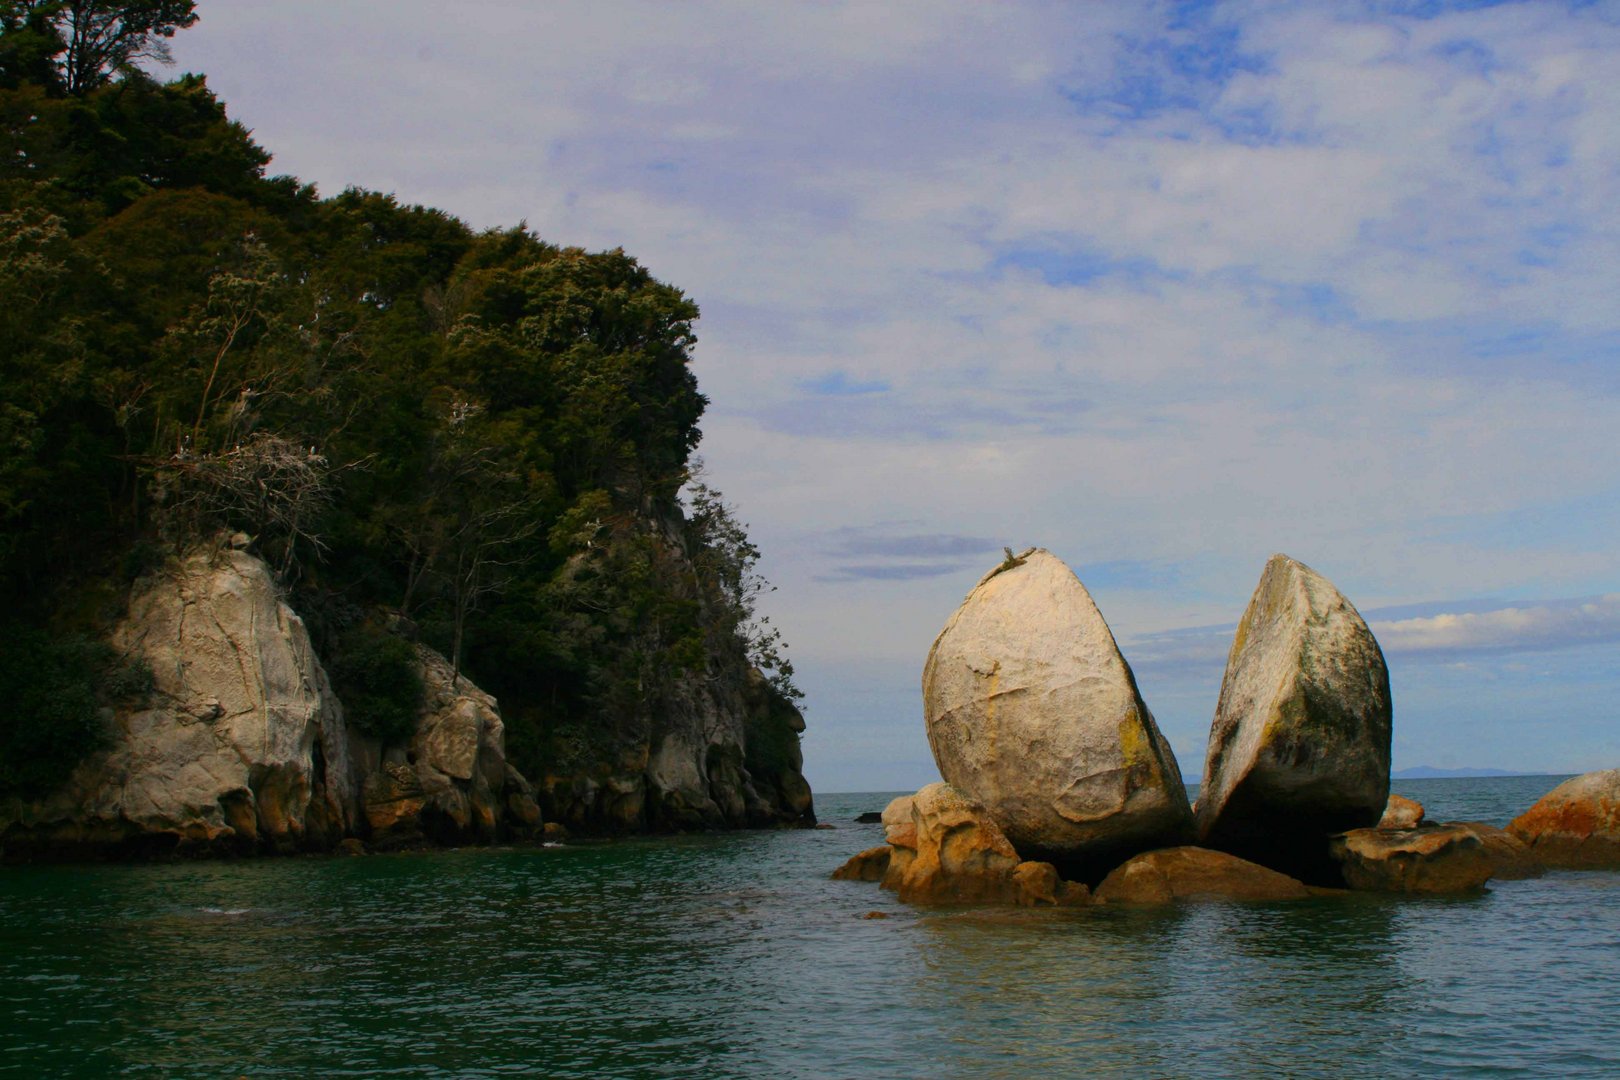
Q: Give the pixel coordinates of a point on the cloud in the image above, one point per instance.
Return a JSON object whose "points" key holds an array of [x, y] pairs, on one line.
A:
{"points": [[869, 542], [1468, 629], [892, 571], [1163, 288], [1559, 625]]}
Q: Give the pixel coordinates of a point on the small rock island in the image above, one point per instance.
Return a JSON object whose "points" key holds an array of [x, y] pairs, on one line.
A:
{"points": [[1058, 788]]}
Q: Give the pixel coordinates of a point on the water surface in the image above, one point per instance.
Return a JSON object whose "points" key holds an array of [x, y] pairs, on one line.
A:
{"points": [[733, 955]]}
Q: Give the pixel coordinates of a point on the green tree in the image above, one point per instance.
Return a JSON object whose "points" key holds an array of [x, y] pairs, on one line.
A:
{"points": [[88, 42]]}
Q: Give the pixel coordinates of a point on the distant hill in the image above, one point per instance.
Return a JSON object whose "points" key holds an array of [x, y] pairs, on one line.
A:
{"points": [[1429, 772]]}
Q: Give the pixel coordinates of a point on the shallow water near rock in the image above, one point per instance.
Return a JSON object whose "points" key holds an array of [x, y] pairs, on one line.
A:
{"points": [[734, 955]]}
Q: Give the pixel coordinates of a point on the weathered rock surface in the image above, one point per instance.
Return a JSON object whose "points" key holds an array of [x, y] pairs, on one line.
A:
{"points": [[1429, 859], [869, 865], [1032, 711], [241, 746], [1401, 813], [1299, 748], [451, 783], [1576, 825], [948, 851], [1511, 858], [1194, 873]]}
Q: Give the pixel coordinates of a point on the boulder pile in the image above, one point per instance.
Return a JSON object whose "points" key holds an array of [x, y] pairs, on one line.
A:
{"points": [[1054, 767]]}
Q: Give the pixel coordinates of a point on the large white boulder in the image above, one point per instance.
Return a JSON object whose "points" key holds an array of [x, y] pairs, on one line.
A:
{"points": [[1033, 712]]}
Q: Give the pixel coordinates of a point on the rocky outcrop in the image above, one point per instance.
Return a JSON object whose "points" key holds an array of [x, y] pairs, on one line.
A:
{"points": [[1033, 712], [716, 747], [945, 849], [1299, 748], [1193, 873], [1430, 859], [1576, 825], [1511, 858], [241, 745], [451, 783], [1401, 813]]}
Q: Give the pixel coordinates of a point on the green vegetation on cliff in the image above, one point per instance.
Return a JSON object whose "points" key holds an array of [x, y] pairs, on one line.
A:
{"points": [[482, 433]]}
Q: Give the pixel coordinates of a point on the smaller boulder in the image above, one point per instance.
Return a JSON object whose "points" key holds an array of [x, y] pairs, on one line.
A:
{"points": [[1194, 873], [1511, 858], [869, 865], [871, 817], [951, 852], [1429, 859], [1401, 813], [1576, 825]]}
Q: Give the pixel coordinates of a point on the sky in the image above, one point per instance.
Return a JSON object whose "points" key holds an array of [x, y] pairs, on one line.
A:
{"points": [[1162, 288]]}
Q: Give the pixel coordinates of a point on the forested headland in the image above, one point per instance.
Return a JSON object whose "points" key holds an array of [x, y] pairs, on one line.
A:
{"points": [[475, 439]]}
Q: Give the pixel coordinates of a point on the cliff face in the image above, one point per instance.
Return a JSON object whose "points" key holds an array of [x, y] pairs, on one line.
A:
{"points": [[713, 745], [450, 782], [240, 746]]}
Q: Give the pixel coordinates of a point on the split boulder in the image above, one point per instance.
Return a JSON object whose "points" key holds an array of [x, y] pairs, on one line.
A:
{"points": [[1033, 712], [1299, 748]]}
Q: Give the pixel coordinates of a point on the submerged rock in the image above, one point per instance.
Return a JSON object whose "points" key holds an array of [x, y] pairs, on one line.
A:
{"points": [[1575, 825], [1299, 748], [1429, 859], [1401, 813], [240, 746], [950, 852], [1193, 873], [1033, 712]]}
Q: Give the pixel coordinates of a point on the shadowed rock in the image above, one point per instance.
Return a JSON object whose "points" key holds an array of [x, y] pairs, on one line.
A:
{"points": [[1511, 858], [240, 746], [1193, 873], [1299, 748], [1032, 711], [1576, 824], [869, 865], [1430, 859]]}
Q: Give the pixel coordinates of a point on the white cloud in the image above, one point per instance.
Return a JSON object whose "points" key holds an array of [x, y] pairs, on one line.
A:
{"points": [[1508, 629], [1122, 309]]}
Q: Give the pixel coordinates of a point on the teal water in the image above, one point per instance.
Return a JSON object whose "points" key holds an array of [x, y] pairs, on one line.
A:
{"points": [[735, 956]]}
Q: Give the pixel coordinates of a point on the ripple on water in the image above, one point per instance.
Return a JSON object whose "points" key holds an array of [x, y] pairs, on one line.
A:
{"points": [[735, 956]]}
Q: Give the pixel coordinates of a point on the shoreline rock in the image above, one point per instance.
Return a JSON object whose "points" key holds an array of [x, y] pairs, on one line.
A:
{"points": [[241, 746], [1576, 825]]}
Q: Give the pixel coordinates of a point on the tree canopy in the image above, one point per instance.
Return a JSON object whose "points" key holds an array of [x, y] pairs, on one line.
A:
{"points": [[482, 432]]}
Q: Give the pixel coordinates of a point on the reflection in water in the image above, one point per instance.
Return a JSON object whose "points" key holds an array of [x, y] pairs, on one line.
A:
{"points": [[735, 956]]}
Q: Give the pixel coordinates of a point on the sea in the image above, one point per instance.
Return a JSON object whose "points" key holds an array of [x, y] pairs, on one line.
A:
{"points": [[734, 955]]}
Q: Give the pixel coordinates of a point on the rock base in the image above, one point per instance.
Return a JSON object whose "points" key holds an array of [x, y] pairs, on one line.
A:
{"points": [[1193, 873], [1429, 859]]}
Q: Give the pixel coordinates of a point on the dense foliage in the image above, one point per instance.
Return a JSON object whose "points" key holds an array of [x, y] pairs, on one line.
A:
{"points": [[483, 432]]}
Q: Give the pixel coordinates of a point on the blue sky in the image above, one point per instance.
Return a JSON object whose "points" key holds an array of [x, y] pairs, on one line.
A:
{"points": [[1163, 288]]}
